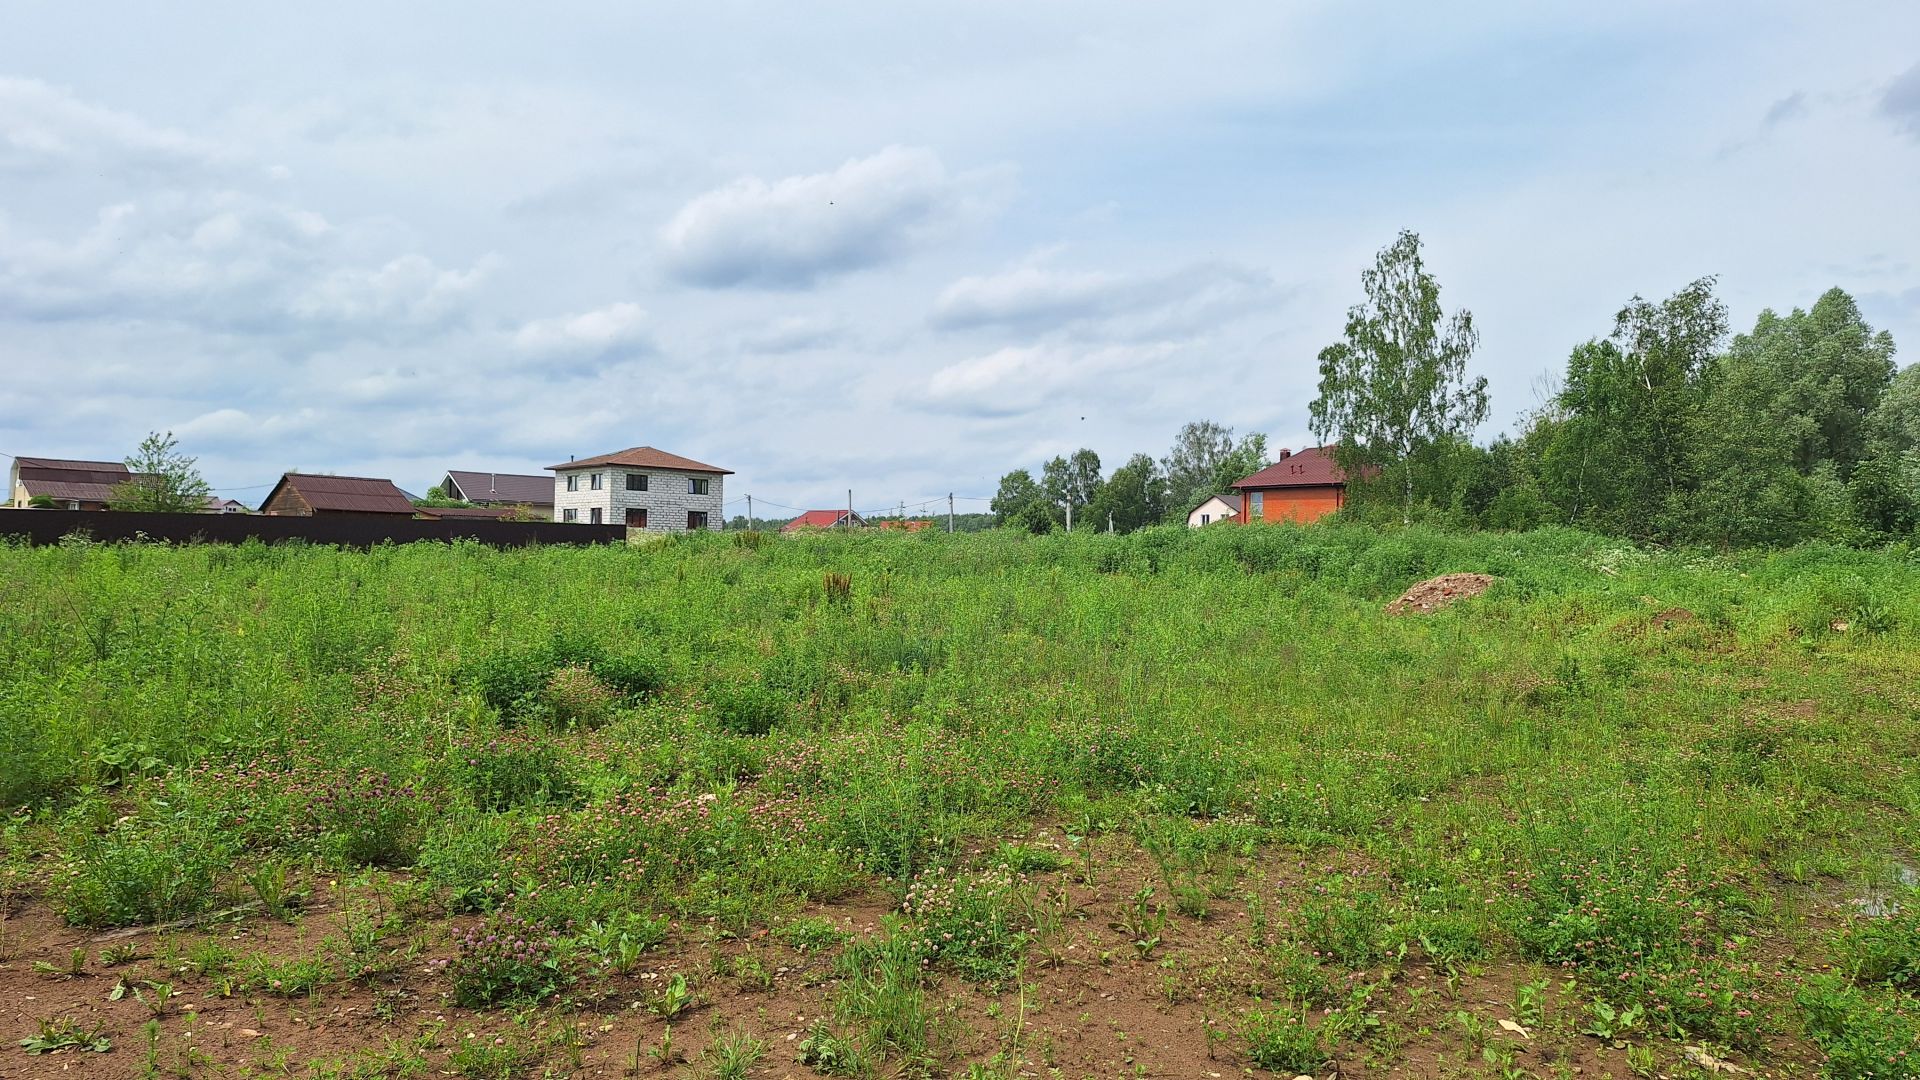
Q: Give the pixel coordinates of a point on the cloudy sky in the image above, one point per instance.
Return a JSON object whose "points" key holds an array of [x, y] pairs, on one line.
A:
{"points": [[899, 248]]}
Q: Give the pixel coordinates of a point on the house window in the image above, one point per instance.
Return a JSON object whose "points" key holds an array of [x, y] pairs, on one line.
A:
{"points": [[697, 485], [1204, 518], [593, 516], [1259, 510], [569, 515], [573, 482], [697, 519], [637, 517], [636, 481], [593, 481]]}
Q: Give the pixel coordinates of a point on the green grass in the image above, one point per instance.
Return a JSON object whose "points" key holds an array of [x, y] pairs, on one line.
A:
{"points": [[1628, 766]]}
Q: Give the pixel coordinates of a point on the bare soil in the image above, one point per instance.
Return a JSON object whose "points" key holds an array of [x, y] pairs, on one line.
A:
{"points": [[1091, 1007], [1435, 593]]}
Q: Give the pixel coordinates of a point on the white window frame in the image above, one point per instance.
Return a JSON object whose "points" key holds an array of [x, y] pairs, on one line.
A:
{"points": [[573, 481], [570, 515], [593, 481], [698, 485]]}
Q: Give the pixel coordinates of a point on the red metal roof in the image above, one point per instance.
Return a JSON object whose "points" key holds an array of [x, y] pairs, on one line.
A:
{"points": [[821, 519], [1312, 467], [645, 457], [65, 491], [486, 487], [355, 494], [69, 471]]}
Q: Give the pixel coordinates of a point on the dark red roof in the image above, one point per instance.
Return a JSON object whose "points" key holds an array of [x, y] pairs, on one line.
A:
{"points": [[355, 494], [65, 491], [820, 519], [486, 487], [645, 457], [1313, 467], [70, 480]]}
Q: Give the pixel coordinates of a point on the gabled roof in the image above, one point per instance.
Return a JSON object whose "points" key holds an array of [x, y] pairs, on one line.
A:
{"points": [[357, 494], [65, 491], [1232, 502], [69, 479], [822, 519], [645, 457], [1312, 467], [487, 487], [43, 464]]}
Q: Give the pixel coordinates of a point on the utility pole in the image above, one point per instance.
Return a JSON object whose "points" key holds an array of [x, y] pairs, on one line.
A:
{"points": [[1109, 523], [903, 513], [849, 508], [1069, 505], [749, 513], [949, 513]]}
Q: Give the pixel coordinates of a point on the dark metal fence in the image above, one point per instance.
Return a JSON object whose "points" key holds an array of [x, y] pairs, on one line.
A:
{"points": [[50, 526]]}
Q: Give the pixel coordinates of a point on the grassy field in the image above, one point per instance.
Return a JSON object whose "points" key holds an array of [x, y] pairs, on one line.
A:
{"points": [[1168, 804]]}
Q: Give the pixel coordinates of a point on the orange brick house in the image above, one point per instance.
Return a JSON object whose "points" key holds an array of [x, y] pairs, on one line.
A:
{"points": [[1301, 487]]}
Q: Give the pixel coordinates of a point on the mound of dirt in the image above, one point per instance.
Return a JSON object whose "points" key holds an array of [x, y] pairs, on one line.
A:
{"points": [[1436, 593], [1672, 617]]}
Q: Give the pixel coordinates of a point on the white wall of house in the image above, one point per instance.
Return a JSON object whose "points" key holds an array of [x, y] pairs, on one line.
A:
{"points": [[1214, 509], [666, 499]]}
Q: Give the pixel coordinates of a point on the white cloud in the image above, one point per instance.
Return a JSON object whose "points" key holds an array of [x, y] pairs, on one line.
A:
{"points": [[617, 329], [1901, 102], [229, 262], [43, 127], [1019, 379], [794, 333], [1103, 304], [794, 232], [407, 291]]}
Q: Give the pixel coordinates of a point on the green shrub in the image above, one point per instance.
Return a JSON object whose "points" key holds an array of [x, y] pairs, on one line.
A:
{"points": [[811, 934], [515, 682], [506, 959], [1865, 1037], [464, 853], [293, 977], [1280, 1040], [366, 818], [969, 922], [139, 872], [574, 695], [1887, 949], [1027, 859], [501, 774], [1346, 925], [748, 708]]}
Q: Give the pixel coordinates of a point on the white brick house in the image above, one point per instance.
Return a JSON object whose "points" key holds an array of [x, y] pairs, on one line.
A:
{"points": [[641, 488]]}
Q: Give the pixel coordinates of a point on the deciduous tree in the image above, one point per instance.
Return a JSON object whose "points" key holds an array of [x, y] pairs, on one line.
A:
{"points": [[1398, 382], [164, 480]]}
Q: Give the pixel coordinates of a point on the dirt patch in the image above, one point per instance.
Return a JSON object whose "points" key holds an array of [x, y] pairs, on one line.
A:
{"points": [[1672, 617], [1436, 593]]}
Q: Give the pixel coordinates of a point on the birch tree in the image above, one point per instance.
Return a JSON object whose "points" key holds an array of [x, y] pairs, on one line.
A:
{"points": [[1398, 383]]}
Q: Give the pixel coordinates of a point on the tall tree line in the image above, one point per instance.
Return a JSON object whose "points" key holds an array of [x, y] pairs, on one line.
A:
{"points": [[1205, 460], [1669, 428]]}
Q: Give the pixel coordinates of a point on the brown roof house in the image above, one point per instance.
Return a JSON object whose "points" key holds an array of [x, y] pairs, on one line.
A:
{"points": [[499, 489], [825, 519], [307, 495], [70, 484], [641, 488], [1301, 487]]}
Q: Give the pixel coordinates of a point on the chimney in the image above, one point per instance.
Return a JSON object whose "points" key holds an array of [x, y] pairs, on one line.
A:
{"points": [[1285, 453]]}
